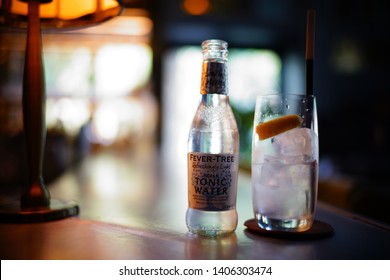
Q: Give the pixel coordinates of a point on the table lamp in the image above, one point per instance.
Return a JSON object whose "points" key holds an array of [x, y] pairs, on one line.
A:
{"points": [[35, 203]]}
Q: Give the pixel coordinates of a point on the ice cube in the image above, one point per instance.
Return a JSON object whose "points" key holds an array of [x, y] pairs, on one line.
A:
{"points": [[299, 142], [272, 174], [261, 150]]}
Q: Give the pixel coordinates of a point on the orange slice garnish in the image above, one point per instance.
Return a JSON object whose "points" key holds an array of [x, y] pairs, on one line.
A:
{"points": [[274, 127]]}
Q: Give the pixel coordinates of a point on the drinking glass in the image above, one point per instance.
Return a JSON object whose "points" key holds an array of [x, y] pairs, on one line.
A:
{"points": [[285, 162]]}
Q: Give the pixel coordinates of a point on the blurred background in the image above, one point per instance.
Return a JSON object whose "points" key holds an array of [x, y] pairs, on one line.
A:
{"points": [[132, 85]]}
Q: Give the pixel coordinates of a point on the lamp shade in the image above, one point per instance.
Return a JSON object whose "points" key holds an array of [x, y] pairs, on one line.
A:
{"points": [[59, 13]]}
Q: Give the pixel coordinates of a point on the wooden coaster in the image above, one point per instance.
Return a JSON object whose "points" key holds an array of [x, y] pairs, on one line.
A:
{"points": [[318, 230]]}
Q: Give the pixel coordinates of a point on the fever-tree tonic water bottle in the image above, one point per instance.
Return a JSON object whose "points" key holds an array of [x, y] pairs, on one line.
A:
{"points": [[213, 150]]}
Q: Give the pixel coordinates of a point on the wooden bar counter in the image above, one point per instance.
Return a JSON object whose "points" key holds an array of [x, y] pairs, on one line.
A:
{"points": [[133, 207]]}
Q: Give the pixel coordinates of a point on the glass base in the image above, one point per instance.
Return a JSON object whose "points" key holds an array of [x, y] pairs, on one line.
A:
{"points": [[292, 225]]}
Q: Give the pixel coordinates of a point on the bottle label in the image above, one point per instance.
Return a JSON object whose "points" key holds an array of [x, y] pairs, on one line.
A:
{"points": [[212, 181], [214, 78]]}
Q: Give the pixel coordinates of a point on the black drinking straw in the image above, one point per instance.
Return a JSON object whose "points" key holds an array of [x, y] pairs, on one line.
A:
{"points": [[310, 28]]}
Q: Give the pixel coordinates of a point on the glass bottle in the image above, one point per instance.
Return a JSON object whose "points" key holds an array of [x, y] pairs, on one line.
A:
{"points": [[213, 150]]}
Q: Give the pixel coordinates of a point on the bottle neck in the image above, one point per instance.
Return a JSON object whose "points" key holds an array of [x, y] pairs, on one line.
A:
{"points": [[215, 100], [214, 77]]}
